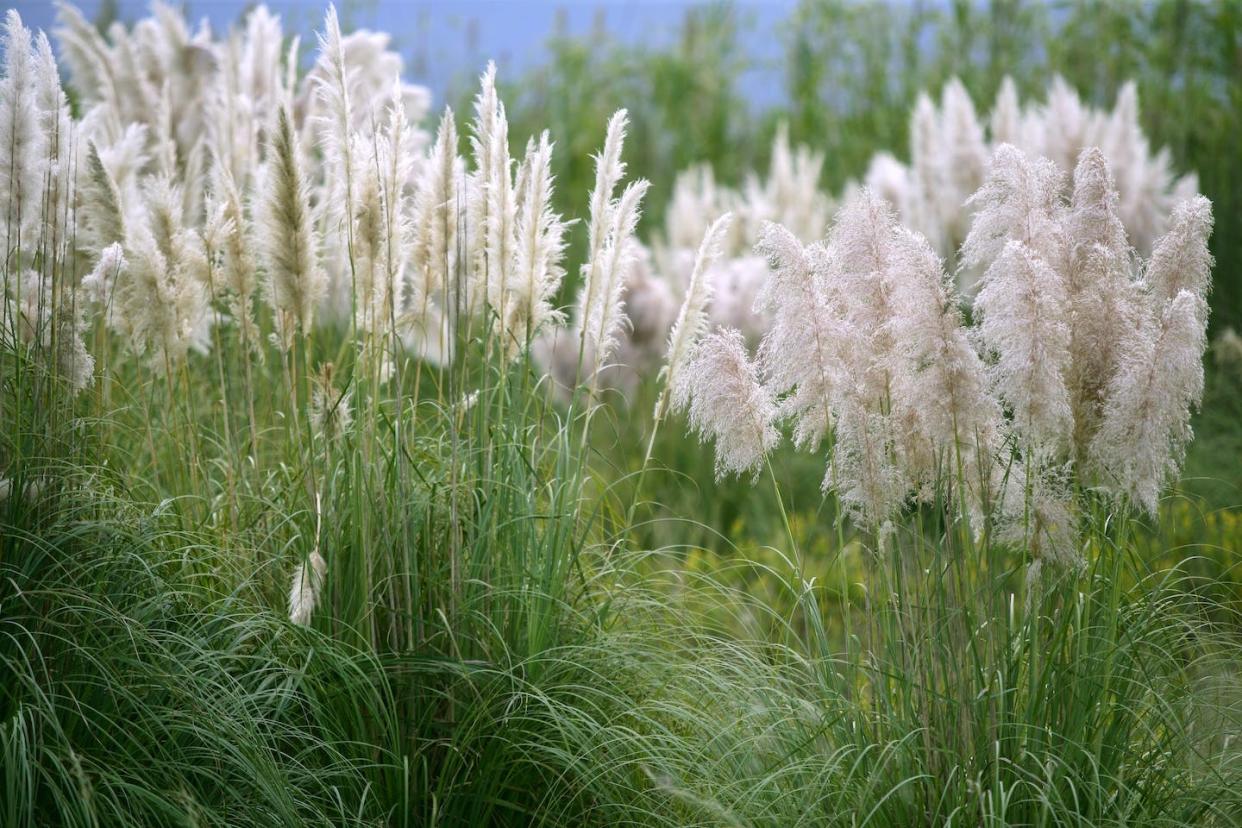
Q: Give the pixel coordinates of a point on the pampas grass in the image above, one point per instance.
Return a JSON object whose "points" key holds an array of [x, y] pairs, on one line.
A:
{"points": [[295, 281], [308, 479]]}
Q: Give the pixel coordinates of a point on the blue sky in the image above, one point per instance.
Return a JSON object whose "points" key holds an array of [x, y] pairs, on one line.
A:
{"points": [[447, 41]]}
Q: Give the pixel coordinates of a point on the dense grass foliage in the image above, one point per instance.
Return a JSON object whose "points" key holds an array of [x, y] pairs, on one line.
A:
{"points": [[328, 564]]}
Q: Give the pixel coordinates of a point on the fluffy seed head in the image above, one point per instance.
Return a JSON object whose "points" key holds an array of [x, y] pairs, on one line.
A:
{"points": [[721, 388]]}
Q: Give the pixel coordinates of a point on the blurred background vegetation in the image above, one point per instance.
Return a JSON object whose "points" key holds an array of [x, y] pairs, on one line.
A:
{"points": [[850, 72]]}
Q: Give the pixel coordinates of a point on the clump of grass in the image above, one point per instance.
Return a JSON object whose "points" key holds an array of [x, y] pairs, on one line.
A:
{"points": [[358, 561]]}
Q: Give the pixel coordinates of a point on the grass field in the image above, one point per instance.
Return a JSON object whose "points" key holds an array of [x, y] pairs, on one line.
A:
{"points": [[367, 463]]}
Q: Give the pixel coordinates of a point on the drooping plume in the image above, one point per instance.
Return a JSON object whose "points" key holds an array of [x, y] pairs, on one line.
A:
{"points": [[1181, 260], [305, 589], [727, 403]]}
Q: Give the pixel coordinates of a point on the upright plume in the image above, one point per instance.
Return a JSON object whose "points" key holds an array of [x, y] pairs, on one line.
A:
{"points": [[294, 280]]}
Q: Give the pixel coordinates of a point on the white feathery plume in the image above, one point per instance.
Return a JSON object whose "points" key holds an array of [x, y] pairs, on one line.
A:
{"points": [[865, 258], [1018, 201], [605, 319], [1146, 422], [938, 379], [800, 355], [370, 66], [163, 134], [500, 232], [21, 149], [1105, 303], [124, 157], [1022, 324], [1181, 260], [947, 154], [97, 286], [890, 180], [1065, 125], [927, 173], [429, 335], [727, 403], [381, 223], [540, 247], [651, 309], [56, 129], [294, 280], [232, 128], [483, 145], [1006, 119], [609, 168], [160, 310], [259, 80], [1093, 218], [331, 125], [371, 292], [1146, 185], [181, 245], [736, 286], [162, 304], [692, 318], [84, 51], [332, 92], [696, 199], [966, 153], [789, 196], [238, 258], [1122, 141], [103, 219], [289, 82], [1106, 311], [435, 228], [306, 586]]}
